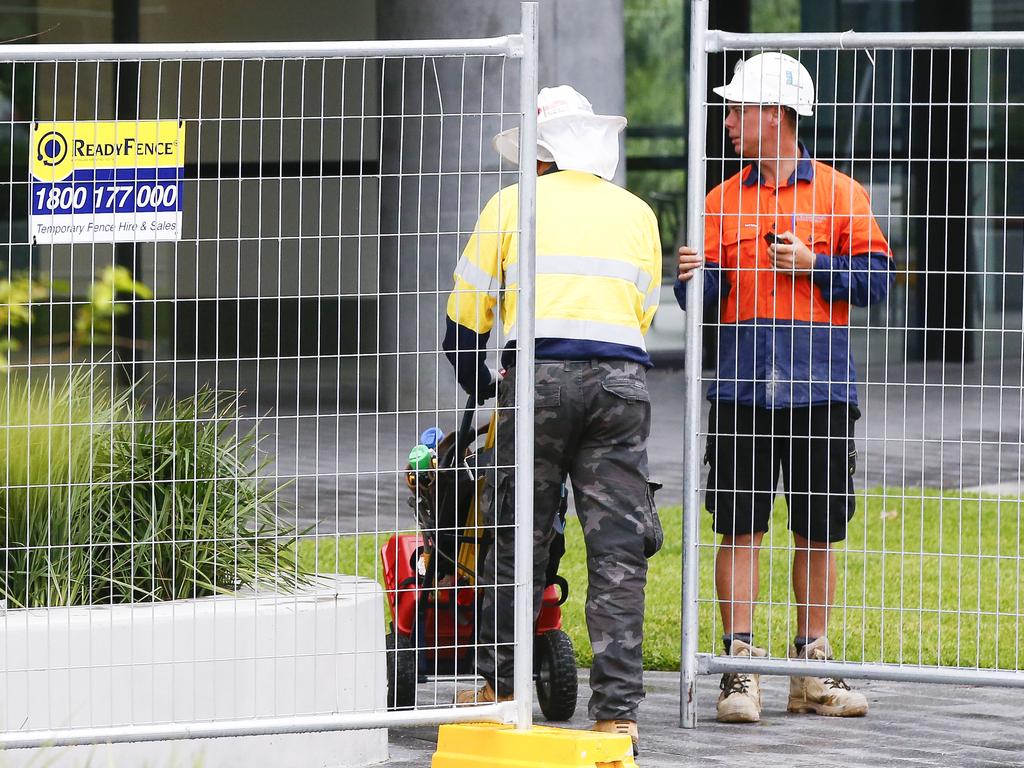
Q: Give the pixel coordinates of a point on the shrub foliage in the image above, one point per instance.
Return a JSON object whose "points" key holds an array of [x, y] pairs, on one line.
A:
{"points": [[104, 501]]}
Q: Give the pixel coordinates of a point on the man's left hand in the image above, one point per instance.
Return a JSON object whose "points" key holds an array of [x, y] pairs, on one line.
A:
{"points": [[789, 254]]}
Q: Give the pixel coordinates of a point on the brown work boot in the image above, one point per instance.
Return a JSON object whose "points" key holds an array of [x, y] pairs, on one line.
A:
{"points": [[829, 696], [625, 727], [484, 695], [740, 699]]}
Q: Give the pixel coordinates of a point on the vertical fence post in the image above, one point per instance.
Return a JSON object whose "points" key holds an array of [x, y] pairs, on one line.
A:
{"points": [[524, 381], [697, 86]]}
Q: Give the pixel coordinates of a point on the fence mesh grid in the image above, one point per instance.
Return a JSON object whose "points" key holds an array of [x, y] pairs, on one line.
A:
{"points": [[930, 572], [209, 436]]}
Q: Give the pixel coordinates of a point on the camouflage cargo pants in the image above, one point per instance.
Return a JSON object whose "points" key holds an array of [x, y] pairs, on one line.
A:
{"points": [[592, 422]]}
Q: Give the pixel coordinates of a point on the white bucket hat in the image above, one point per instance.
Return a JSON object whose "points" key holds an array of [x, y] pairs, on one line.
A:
{"points": [[771, 78], [569, 134]]}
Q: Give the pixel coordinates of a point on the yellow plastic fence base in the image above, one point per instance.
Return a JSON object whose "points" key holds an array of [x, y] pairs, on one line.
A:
{"points": [[487, 745]]}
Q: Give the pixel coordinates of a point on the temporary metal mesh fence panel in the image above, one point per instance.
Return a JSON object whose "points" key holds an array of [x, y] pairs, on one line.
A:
{"points": [[928, 579], [225, 280]]}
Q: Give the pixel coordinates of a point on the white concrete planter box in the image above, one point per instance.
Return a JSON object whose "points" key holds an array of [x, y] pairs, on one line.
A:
{"points": [[318, 652]]}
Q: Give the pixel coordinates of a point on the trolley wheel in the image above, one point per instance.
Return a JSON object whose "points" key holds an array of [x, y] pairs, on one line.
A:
{"points": [[402, 670], [557, 684]]}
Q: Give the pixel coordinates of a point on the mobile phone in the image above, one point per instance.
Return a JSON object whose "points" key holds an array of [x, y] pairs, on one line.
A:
{"points": [[771, 238]]}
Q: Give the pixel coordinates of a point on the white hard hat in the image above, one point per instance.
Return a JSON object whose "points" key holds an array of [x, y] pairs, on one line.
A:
{"points": [[771, 78], [569, 134]]}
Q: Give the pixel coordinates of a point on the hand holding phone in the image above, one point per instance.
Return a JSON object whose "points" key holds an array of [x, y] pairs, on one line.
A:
{"points": [[787, 253]]}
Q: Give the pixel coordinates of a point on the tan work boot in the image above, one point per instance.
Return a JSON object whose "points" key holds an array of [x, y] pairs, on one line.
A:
{"points": [[829, 696], [625, 727], [740, 699], [484, 695]]}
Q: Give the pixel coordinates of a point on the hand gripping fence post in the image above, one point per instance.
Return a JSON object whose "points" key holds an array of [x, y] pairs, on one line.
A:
{"points": [[928, 584], [696, 88]]}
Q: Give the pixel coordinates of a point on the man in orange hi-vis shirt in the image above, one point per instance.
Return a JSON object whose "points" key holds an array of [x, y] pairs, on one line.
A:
{"points": [[789, 244]]}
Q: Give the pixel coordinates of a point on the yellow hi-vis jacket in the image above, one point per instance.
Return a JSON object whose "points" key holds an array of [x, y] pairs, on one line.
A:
{"points": [[598, 273]]}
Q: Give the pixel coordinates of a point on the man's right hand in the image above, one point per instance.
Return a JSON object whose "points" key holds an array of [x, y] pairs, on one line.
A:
{"points": [[689, 261]]}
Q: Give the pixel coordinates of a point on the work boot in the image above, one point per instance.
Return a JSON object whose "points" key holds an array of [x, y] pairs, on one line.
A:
{"points": [[823, 695], [484, 695], [740, 699], [625, 727]]}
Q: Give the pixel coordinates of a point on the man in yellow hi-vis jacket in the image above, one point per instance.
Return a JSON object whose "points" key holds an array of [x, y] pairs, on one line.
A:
{"points": [[598, 280]]}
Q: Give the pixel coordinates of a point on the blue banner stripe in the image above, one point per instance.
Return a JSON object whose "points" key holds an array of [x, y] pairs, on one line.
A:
{"points": [[115, 195], [127, 174]]}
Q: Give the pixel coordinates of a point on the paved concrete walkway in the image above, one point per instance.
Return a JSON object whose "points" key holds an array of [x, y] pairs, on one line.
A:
{"points": [[908, 725]]}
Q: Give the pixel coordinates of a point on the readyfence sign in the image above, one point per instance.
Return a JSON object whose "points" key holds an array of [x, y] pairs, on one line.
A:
{"points": [[106, 181]]}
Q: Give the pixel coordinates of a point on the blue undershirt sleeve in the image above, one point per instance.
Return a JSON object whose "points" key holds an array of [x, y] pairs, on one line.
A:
{"points": [[467, 352], [716, 287], [861, 280]]}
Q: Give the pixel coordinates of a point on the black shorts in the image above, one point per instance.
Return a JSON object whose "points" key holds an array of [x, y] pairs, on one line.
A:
{"points": [[811, 446]]}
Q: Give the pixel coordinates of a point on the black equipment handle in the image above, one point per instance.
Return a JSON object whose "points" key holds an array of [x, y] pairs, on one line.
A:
{"points": [[467, 417], [466, 434]]}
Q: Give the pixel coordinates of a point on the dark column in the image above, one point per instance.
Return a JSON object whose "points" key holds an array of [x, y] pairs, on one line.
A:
{"points": [[943, 302], [126, 80], [819, 16], [729, 17], [722, 162]]}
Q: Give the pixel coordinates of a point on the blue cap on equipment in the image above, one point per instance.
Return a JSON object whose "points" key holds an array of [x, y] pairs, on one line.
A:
{"points": [[431, 437]]}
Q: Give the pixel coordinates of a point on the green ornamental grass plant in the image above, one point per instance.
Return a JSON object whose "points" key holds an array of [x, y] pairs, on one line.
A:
{"points": [[104, 502]]}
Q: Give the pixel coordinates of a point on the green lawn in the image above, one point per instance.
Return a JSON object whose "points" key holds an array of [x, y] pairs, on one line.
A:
{"points": [[924, 579]]}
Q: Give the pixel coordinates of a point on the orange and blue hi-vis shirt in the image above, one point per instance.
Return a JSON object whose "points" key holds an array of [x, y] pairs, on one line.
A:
{"points": [[784, 339]]}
